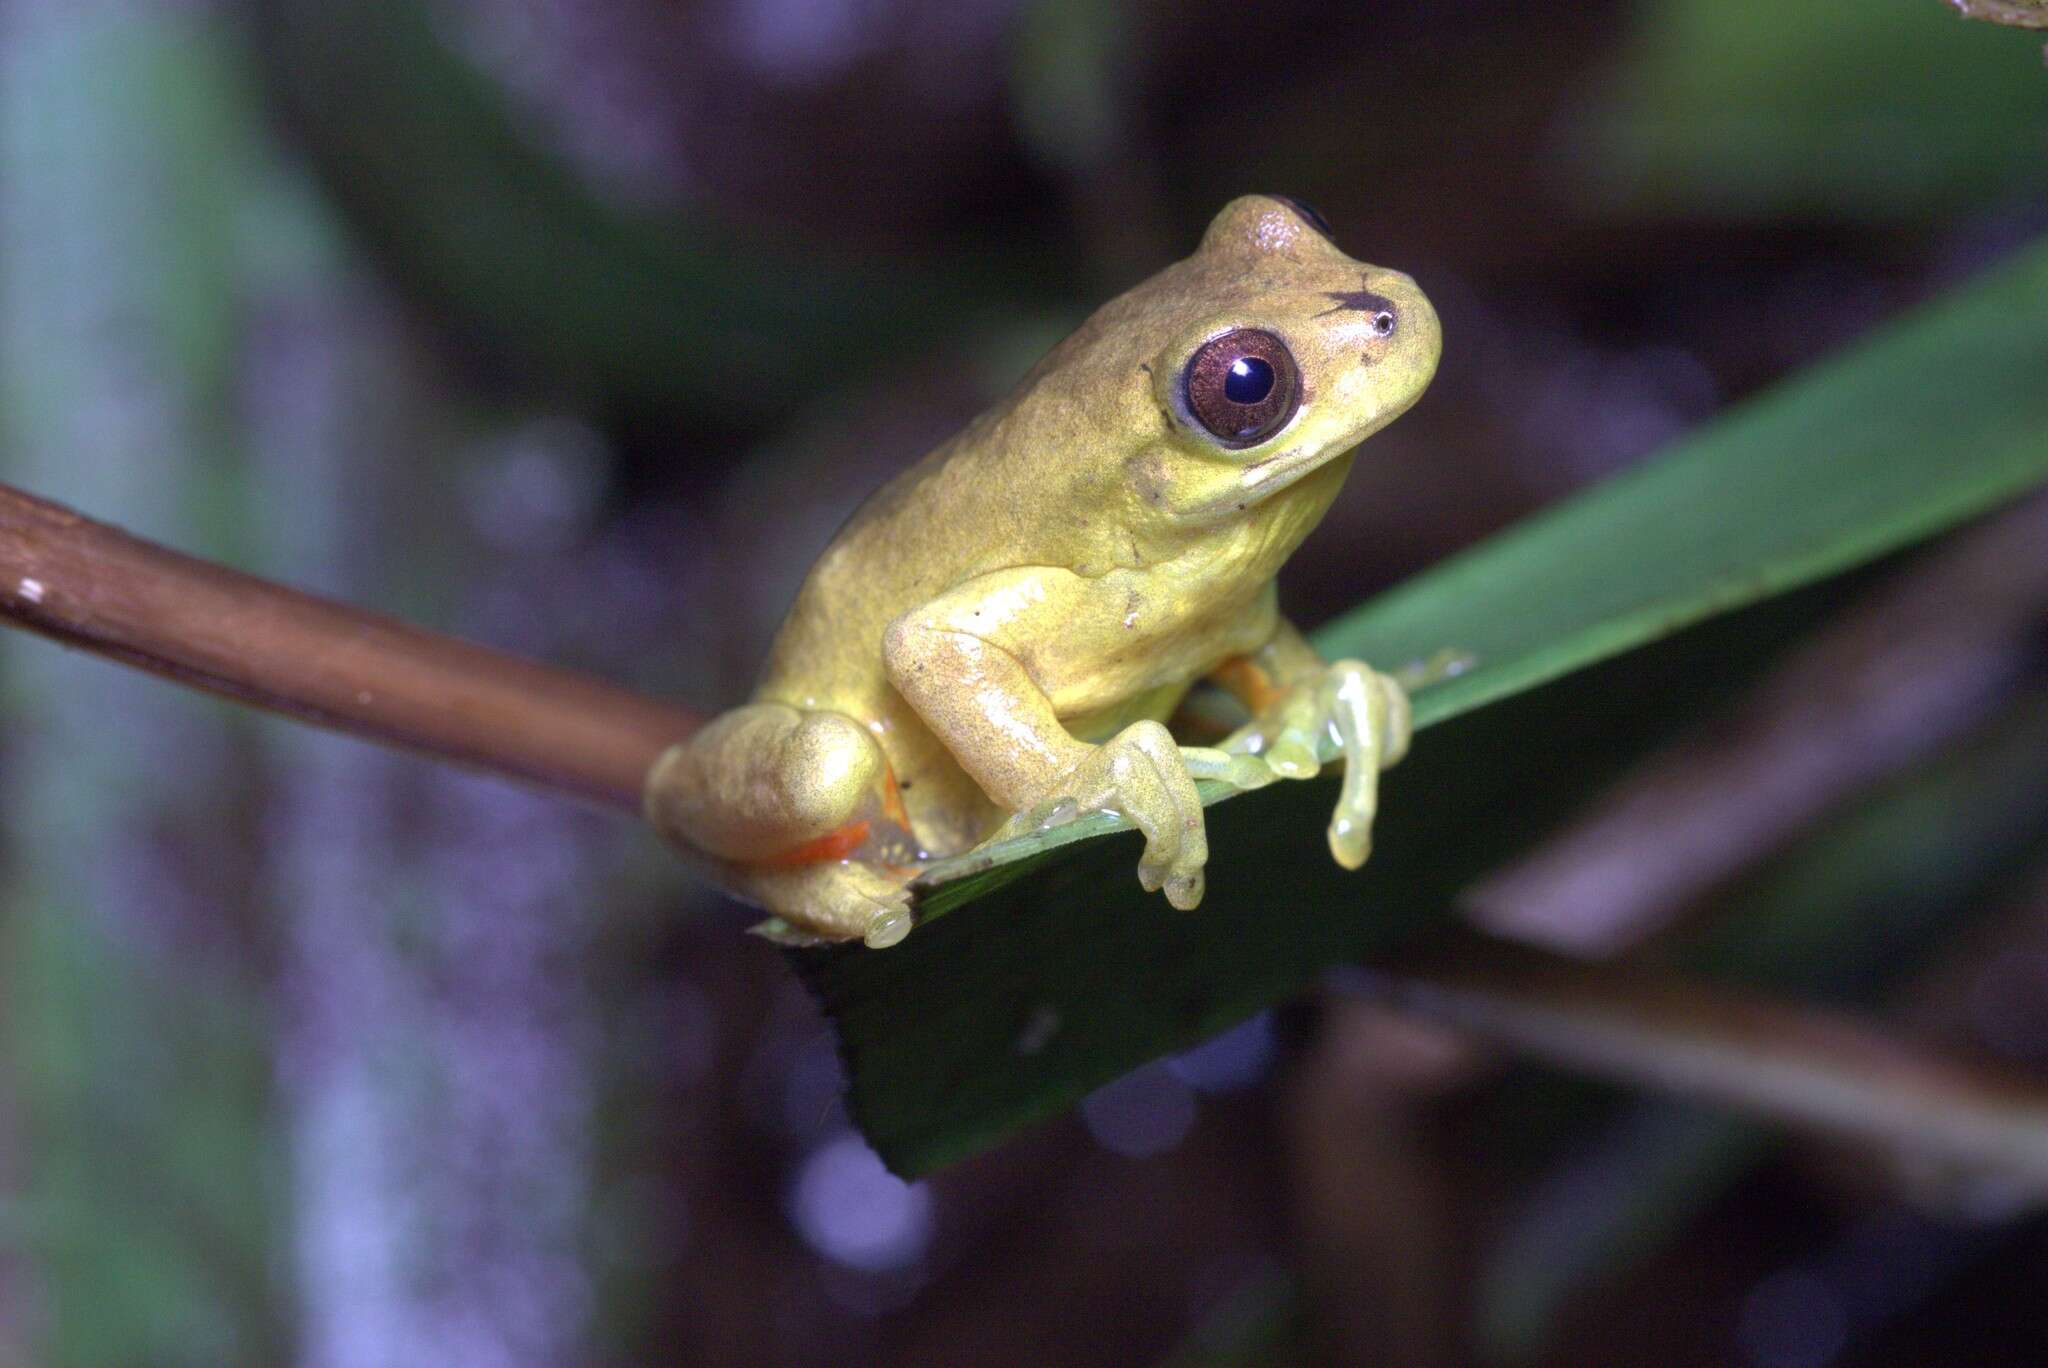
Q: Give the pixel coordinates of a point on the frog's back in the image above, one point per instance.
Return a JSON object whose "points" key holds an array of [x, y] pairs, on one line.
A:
{"points": [[902, 548]]}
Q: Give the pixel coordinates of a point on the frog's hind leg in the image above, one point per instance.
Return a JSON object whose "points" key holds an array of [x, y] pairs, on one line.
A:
{"points": [[783, 797], [765, 782]]}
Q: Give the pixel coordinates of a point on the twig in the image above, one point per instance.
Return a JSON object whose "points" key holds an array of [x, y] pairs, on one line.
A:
{"points": [[1779, 1060], [2029, 14], [1913, 665], [97, 588]]}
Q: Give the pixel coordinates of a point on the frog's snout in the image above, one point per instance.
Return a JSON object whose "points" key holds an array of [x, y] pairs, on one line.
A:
{"points": [[1406, 335]]}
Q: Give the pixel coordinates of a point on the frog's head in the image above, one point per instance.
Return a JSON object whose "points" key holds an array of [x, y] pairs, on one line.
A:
{"points": [[1275, 354]]}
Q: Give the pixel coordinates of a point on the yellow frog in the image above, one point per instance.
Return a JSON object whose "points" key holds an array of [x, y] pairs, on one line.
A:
{"points": [[994, 640]]}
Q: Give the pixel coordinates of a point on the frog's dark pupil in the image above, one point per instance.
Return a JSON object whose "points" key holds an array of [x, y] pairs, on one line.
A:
{"points": [[1248, 380]]}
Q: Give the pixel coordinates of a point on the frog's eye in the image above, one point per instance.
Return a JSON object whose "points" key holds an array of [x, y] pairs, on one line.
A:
{"points": [[1242, 387]]}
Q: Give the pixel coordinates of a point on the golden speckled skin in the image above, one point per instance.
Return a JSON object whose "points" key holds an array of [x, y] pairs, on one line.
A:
{"points": [[1011, 618]]}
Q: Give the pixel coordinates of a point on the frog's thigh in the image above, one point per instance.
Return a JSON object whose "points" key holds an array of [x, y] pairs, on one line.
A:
{"points": [[764, 780]]}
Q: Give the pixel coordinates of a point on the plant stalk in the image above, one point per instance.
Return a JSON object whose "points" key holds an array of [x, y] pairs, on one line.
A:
{"points": [[1782, 1061], [96, 588]]}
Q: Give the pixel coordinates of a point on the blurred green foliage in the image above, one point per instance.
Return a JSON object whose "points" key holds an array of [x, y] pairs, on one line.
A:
{"points": [[593, 299], [153, 1182], [1746, 108]]}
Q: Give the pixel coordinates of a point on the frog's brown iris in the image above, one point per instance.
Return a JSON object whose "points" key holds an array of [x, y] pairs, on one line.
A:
{"points": [[1242, 387]]}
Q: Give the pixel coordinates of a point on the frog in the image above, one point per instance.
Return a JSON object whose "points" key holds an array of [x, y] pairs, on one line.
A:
{"points": [[997, 639]]}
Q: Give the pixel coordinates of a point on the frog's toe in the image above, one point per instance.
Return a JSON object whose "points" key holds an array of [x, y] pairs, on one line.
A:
{"points": [[1294, 757], [1368, 712], [891, 922], [1395, 715], [875, 901], [1148, 782], [1365, 712], [1040, 816], [836, 900], [1285, 740], [1239, 770]]}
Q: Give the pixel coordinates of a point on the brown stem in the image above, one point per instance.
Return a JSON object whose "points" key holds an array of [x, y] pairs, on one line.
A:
{"points": [[1780, 1060], [97, 588]]}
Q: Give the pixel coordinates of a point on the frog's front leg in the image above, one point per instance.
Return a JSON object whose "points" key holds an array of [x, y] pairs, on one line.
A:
{"points": [[961, 662], [1296, 700]]}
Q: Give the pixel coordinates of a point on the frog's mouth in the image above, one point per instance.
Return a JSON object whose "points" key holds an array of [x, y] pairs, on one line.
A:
{"points": [[1264, 478], [1282, 469]]}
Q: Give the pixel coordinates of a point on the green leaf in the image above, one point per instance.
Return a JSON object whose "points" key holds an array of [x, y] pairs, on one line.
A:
{"points": [[979, 1024], [613, 302], [1894, 109]]}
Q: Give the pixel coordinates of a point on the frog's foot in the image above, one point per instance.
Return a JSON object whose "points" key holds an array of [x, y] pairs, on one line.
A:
{"points": [[1142, 775], [1365, 712], [832, 900]]}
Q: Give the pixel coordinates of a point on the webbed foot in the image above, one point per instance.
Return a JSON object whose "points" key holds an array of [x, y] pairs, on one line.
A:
{"points": [[1142, 774], [1365, 713]]}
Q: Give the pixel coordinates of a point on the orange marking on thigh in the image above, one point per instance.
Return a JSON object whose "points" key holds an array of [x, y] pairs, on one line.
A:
{"points": [[833, 845], [892, 798], [1248, 683]]}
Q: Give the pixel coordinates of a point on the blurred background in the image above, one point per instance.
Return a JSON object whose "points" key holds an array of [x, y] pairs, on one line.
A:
{"points": [[576, 326]]}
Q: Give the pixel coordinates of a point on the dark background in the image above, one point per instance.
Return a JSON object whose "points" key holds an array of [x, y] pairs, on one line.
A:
{"points": [[576, 328]]}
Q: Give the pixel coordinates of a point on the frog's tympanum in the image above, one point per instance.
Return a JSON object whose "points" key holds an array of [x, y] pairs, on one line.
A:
{"points": [[994, 641]]}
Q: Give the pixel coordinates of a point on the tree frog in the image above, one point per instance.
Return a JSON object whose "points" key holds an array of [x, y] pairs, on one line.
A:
{"points": [[995, 640]]}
